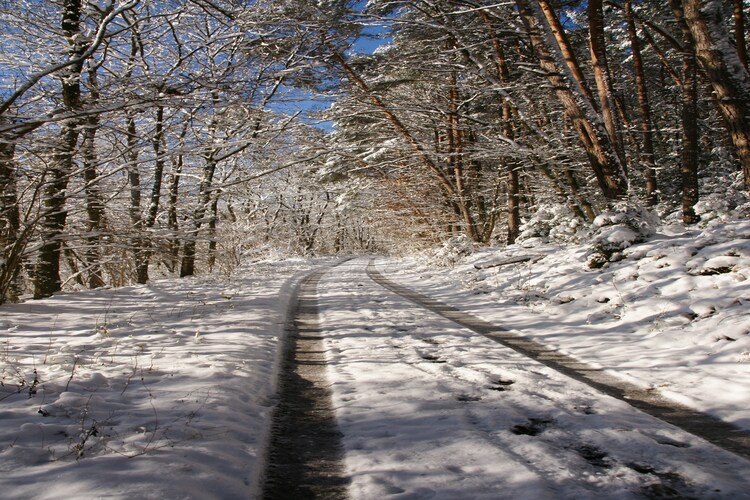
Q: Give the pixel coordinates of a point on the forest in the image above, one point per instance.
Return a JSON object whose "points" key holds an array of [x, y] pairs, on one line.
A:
{"points": [[147, 138]]}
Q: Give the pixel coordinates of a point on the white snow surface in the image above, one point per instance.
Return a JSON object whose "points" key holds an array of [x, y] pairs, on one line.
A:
{"points": [[166, 390], [156, 391]]}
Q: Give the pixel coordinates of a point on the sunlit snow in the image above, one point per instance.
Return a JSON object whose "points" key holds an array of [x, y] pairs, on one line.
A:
{"points": [[167, 390]]}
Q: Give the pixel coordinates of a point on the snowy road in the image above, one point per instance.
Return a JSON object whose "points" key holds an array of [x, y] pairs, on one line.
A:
{"points": [[429, 409], [305, 450], [166, 390], [710, 428]]}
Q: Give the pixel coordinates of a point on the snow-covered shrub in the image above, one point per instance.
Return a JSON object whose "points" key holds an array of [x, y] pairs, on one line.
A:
{"points": [[453, 250], [618, 229], [552, 223], [724, 200]]}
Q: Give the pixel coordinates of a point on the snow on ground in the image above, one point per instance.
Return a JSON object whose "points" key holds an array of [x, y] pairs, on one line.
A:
{"points": [[674, 314], [431, 410], [156, 391], [166, 390]]}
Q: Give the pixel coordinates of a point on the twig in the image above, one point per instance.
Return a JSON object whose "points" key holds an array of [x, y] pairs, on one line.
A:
{"points": [[130, 377], [72, 373], [156, 416], [49, 348]]}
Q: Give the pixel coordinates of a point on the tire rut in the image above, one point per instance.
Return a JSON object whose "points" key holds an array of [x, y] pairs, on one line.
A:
{"points": [[712, 429], [305, 459]]}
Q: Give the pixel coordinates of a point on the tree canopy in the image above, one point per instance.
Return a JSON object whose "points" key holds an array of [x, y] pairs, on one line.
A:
{"points": [[140, 137]]}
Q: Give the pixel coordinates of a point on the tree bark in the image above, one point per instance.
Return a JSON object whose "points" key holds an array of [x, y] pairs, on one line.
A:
{"points": [[513, 184], [187, 267], [647, 147], [47, 271], [604, 86], [739, 32], [94, 205], [157, 142], [47, 279], [514, 205], [690, 148], [728, 76], [456, 160], [586, 122], [139, 240], [10, 223], [173, 193], [212, 243], [558, 31], [94, 202]]}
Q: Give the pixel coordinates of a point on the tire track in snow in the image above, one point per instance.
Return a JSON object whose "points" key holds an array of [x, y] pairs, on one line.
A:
{"points": [[306, 454], [699, 424]]}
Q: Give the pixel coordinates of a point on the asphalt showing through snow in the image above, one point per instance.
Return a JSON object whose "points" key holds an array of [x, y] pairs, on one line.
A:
{"points": [[306, 455]]}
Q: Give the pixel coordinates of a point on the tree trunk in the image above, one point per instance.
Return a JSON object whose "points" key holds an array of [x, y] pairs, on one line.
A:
{"points": [[139, 240], [513, 183], [153, 207], [647, 147], [557, 30], [690, 149], [514, 206], [728, 76], [604, 86], [47, 271], [173, 196], [187, 264], [690, 193], [456, 160], [212, 244], [187, 267], [739, 32], [586, 122], [94, 205], [11, 246], [94, 201], [583, 205]]}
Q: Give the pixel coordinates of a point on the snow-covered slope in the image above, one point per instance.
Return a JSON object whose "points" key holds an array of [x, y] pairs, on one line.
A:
{"points": [[157, 391], [673, 314], [166, 390]]}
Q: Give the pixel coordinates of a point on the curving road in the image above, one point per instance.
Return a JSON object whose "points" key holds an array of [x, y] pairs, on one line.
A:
{"points": [[417, 405]]}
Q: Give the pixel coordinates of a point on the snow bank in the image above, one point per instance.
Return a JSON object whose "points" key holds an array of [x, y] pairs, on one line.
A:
{"points": [[669, 311], [156, 391]]}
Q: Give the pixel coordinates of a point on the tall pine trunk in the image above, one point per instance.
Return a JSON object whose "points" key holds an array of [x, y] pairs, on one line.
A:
{"points": [[647, 147], [690, 148], [586, 120], [513, 181], [728, 76], [602, 77]]}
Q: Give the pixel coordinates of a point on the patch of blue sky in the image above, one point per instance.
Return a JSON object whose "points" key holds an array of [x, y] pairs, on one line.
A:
{"points": [[310, 105], [372, 37]]}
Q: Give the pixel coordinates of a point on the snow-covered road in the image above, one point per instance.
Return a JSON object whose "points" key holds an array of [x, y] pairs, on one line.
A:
{"points": [[429, 409], [166, 390]]}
